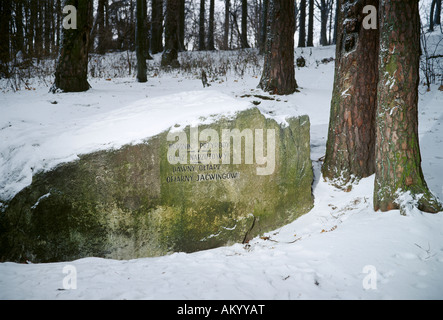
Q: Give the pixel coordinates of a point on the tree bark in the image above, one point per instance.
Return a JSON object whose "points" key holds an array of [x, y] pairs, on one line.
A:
{"points": [[351, 137], [302, 28], [310, 40], [181, 32], [71, 73], [201, 27], [141, 40], [226, 26], [398, 159], [172, 45], [278, 72], [431, 15], [157, 26], [437, 16], [323, 23], [211, 45], [244, 24], [264, 25]]}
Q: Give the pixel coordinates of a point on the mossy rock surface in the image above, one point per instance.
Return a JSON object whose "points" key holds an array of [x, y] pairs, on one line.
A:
{"points": [[132, 202]]}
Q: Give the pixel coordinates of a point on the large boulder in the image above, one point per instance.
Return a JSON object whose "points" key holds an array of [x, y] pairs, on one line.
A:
{"points": [[186, 189]]}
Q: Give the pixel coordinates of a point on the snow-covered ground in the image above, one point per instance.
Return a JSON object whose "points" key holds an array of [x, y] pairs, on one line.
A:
{"points": [[341, 249]]}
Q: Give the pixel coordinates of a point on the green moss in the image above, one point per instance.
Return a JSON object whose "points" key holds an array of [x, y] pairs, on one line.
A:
{"points": [[119, 204]]}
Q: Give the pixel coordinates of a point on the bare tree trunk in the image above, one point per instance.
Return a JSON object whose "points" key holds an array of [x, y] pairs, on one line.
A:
{"points": [[141, 40], [172, 46], [201, 27], [226, 26], [5, 45], [398, 158], [244, 24], [211, 26], [310, 41], [351, 139], [157, 26], [278, 72], [302, 28], [182, 26], [264, 25], [71, 73]]}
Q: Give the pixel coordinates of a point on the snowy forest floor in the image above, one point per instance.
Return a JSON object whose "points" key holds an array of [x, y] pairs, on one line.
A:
{"points": [[329, 253]]}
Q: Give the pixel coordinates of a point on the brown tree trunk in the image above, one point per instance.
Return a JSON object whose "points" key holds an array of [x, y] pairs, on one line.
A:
{"points": [[226, 26], [141, 40], [71, 73], [244, 24], [211, 45], [398, 159], [172, 46], [157, 26], [278, 71], [351, 138], [201, 27], [310, 39], [302, 29]]}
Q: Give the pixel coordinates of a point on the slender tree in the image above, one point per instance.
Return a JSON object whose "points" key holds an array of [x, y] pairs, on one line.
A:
{"points": [[141, 40], [351, 139], [226, 26], [437, 15], [201, 27], [244, 24], [278, 72], [71, 73], [264, 26], [181, 32], [398, 159], [157, 26], [172, 44], [211, 45], [310, 39], [302, 25]]}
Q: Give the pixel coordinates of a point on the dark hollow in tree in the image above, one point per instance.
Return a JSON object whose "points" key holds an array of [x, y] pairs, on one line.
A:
{"points": [[398, 159], [71, 73], [278, 71], [351, 137]]}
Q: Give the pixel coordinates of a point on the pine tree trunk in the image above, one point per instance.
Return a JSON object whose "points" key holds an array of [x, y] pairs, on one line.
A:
{"points": [[201, 27], [172, 46], [157, 26], [278, 72], [244, 24], [264, 26], [140, 40], [182, 26], [71, 73], [302, 29], [211, 45], [226, 26], [324, 22], [310, 40], [351, 138], [5, 46], [398, 160]]}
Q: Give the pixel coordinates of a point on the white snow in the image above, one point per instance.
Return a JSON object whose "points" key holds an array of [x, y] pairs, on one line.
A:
{"points": [[330, 253]]}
